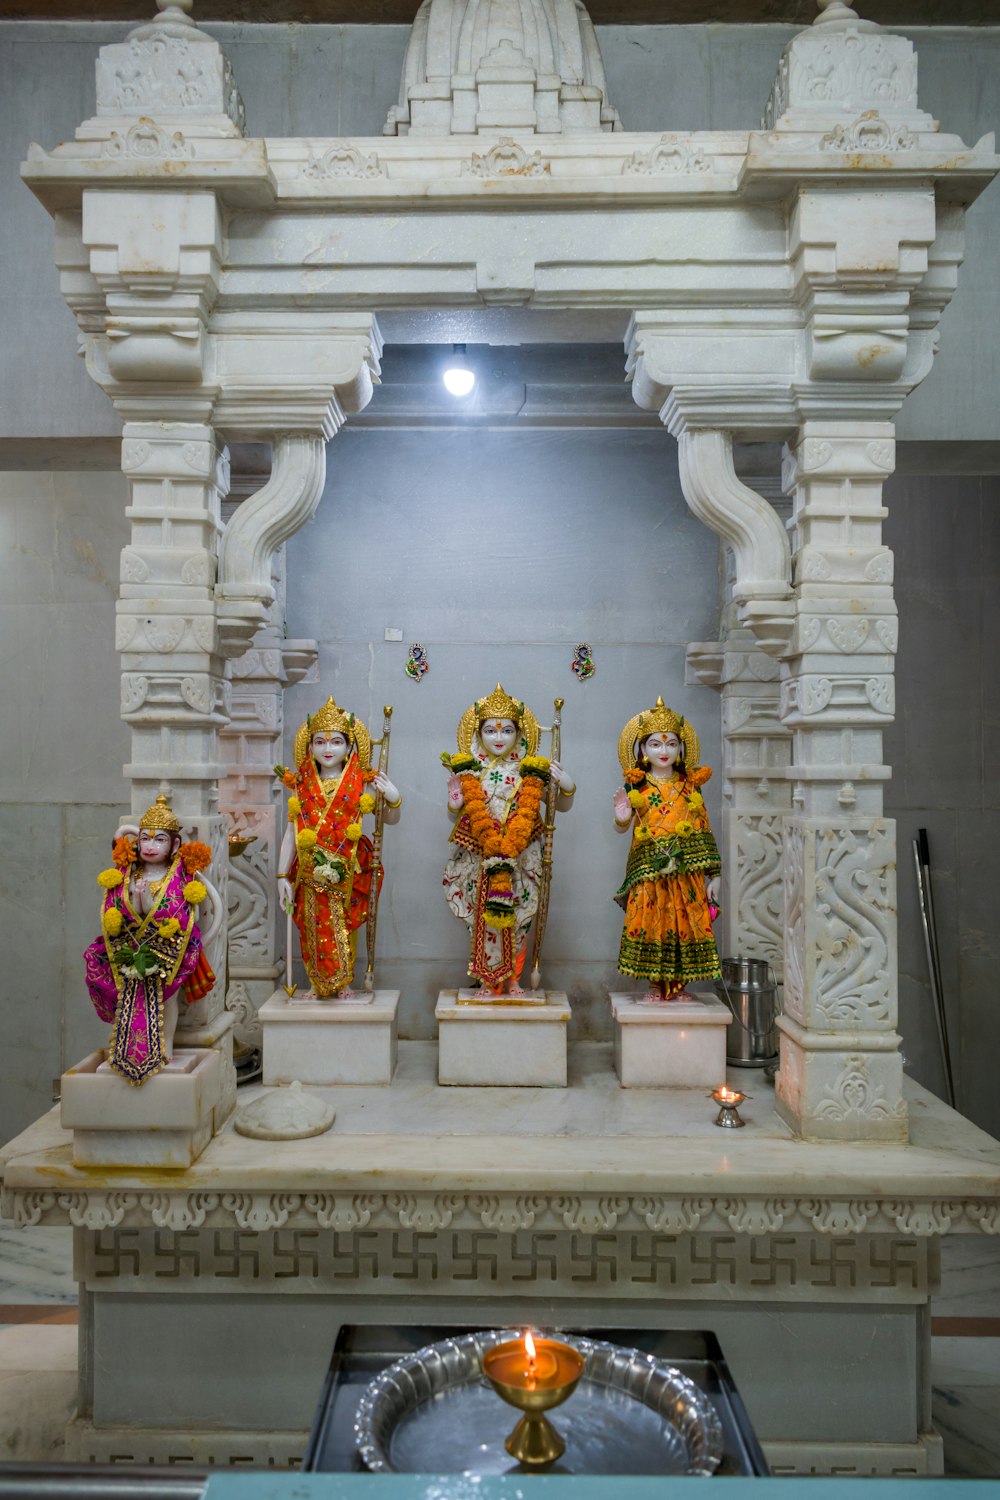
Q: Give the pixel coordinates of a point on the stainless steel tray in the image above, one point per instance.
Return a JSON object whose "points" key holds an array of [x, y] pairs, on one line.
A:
{"points": [[432, 1412]]}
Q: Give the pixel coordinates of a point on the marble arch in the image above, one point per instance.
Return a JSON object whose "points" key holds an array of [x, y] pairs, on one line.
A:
{"points": [[784, 283]]}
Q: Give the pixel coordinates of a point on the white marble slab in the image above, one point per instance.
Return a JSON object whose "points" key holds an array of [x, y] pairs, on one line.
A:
{"points": [[671, 1044], [502, 1045], [165, 1122], [594, 1135], [330, 1041]]}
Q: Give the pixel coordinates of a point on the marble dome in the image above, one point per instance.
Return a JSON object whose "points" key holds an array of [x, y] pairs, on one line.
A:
{"points": [[481, 66]]}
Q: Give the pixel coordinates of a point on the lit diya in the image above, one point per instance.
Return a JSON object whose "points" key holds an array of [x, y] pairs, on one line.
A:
{"points": [[729, 1101], [534, 1375]]}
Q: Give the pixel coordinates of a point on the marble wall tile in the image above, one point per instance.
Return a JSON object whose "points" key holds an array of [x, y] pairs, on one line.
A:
{"points": [[87, 835], [60, 540], [30, 995], [36, 1265], [979, 965]]}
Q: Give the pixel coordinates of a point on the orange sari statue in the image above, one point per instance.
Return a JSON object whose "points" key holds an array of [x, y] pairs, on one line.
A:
{"points": [[671, 883], [325, 861]]}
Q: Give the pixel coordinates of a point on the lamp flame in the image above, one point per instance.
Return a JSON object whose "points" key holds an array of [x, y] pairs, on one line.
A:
{"points": [[529, 1345]]}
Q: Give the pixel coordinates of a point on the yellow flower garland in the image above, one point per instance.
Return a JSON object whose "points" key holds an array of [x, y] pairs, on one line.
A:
{"points": [[194, 892], [109, 879]]}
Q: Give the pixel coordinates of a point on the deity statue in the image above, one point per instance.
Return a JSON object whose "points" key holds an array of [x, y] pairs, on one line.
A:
{"points": [[326, 865], [150, 949], [671, 886], [496, 787]]}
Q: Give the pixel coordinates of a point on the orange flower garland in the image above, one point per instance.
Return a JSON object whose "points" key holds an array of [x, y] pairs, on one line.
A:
{"points": [[195, 856], [124, 852], [513, 837]]}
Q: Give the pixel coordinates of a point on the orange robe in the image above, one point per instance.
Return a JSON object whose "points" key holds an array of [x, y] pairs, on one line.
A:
{"points": [[328, 916], [668, 928]]}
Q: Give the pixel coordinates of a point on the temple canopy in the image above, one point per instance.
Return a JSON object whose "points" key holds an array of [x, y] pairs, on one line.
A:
{"points": [[487, 65]]}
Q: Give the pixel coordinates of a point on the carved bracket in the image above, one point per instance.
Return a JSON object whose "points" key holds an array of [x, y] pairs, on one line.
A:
{"points": [[260, 525], [763, 590]]}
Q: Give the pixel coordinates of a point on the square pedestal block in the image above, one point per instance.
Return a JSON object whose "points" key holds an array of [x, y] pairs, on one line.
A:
{"points": [[677, 1044], [329, 1041], [165, 1122], [510, 1046]]}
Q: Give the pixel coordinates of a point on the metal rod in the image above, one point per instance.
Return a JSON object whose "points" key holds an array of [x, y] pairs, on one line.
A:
{"points": [[376, 865], [922, 863], [545, 883]]}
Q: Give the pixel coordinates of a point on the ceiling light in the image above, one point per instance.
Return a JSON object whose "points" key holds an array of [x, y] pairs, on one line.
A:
{"points": [[459, 376]]}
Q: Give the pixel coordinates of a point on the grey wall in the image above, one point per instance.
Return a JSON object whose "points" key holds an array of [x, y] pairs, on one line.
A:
{"points": [[944, 747], [330, 80], [499, 552]]}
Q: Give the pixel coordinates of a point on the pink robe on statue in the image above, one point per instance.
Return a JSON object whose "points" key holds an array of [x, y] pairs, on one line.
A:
{"points": [[135, 1006]]}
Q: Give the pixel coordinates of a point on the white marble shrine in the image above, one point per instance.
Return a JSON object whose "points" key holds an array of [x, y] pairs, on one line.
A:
{"points": [[781, 284]]}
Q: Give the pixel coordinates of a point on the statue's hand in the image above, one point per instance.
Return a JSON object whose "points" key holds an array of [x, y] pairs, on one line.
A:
{"points": [[562, 778], [386, 787], [623, 807], [455, 798], [285, 894], [712, 889]]}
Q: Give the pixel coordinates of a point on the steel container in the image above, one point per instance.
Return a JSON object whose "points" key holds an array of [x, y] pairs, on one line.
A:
{"points": [[748, 987]]}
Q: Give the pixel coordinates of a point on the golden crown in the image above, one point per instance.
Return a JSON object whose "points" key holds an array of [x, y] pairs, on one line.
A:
{"points": [[331, 719], [658, 720], [499, 705], [160, 818]]}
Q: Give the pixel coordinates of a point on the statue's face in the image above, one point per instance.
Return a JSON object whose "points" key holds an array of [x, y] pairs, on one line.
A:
{"points": [[498, 735], [155, 847], [662, 751], [329, 751]]}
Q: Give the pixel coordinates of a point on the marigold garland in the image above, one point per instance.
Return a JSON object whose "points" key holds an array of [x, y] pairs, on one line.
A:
{"points": [[513, 837], [124, 852], [195, 856], [168, 928], [194, 892], [306, 838], [294, 808], [636, 799], [353, 832], [112, 921], [366, 803], [634, 777], [109, 879]]}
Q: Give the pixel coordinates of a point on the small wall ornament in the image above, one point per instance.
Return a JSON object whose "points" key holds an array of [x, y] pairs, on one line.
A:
{"points": [[417, 663], [584, 665]]}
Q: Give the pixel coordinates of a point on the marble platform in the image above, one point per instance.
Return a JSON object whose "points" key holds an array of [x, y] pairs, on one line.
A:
{"points": [[165, 1122], [594, 1204], [490, 1044], [329, 1041], [674, 1044]]}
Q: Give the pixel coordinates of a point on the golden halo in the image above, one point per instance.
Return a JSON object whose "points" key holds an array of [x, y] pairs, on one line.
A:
{"points": [[663, 720], [469, 723], [356, 733]]}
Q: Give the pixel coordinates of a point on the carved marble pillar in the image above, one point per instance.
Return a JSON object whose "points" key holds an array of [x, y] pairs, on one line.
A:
{"points": [[841, 1070], [175, 696], [756, 794], [250, 745]]}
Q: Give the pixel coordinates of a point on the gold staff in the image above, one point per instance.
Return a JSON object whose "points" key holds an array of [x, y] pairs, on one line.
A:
{"points": [[550, 831], [376, 865]]}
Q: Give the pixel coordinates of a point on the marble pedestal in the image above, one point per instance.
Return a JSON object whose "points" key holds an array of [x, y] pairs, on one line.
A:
{"points": [[329, 1041], [679, 1044], [165, 1122], [518, 1046], [592, 1205]]}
